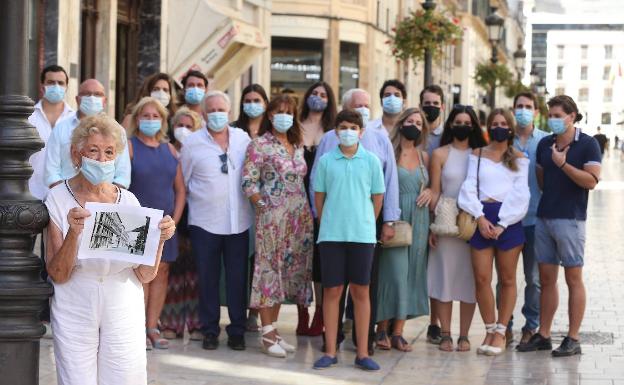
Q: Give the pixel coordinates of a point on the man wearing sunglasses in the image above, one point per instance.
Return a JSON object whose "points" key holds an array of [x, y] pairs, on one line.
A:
{"points": [[219, 218]]}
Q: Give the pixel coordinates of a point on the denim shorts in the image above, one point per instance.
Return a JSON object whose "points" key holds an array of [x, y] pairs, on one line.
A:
{"points": [[560, 242], [346, 262]]}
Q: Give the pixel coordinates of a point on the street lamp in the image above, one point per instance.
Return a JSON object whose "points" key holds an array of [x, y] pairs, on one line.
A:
{"points": [[495, 28], [428, 6], [519, 60]]}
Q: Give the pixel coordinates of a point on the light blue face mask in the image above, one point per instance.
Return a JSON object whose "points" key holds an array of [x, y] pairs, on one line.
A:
{"points": [[54, 93], [348, 137], [97, 172], [557, 125], [523, 116], [392, 104], [194, 95], [365, 113], [217, 121], [149, 127], [253, 110], [282, 122], [91, 105]]}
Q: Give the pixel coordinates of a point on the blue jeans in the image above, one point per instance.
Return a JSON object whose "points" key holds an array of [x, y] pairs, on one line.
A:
{"points": [[531, 308], [208, 249]]}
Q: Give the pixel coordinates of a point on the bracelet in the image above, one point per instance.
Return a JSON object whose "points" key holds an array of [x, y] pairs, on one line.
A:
{"points": [[563, 165]]}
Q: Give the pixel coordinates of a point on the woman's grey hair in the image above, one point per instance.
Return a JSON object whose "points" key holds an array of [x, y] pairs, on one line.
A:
{"points": [[216, 93], [347, 96], [98, 124]]}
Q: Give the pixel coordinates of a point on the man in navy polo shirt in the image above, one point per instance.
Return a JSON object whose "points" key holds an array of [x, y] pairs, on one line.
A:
{"points": [[568, 166]]}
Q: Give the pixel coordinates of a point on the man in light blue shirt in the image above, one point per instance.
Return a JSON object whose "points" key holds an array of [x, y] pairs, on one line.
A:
{"points": [[526, 140], [379, 144], [91, 100]]}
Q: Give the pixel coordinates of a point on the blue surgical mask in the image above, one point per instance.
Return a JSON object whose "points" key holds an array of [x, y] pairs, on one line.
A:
{"points": [[91, 105], [557, 125], [149, 127], [349, 137], [217, 121], [54, 93], [97, 172], [194, 95], [316, 104], [392, 104], [282, 122], [253, 110], [524, 117], [365, 113]]}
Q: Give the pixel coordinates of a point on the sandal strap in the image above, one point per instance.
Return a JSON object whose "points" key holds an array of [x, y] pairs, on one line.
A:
{"points": [[490, 328], [152, 331], [267, 329], [463, 338], [500, 329]]}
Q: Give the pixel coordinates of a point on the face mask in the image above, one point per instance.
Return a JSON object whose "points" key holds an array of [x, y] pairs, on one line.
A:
{"points": [[217, 121], [315, 103], [91, 105], [410, 132], [282, 122], [557, 125], [194, 95], [392, 104], [97, 172], [180, 133], [524, 117], [431, 113], [348, 137], [461, 132], [499, 134], [149, 127], [162, 96], [253, 110], [54, 93], [365, 113]]}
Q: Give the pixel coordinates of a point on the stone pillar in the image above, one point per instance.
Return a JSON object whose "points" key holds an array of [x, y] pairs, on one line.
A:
{"points": [[331, 56], [22, 292]]}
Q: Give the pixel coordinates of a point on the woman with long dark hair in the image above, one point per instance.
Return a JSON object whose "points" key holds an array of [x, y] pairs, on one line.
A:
{"points": [[159, 86], [496, 192], [449, 270], [252, 110], [318, 113]]}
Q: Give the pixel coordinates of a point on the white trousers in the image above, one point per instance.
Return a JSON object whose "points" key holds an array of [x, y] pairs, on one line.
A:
{"points": [[99, 330]]}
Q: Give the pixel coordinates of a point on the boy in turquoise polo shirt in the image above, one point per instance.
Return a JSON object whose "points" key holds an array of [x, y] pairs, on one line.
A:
{"points": [[349, 188]]}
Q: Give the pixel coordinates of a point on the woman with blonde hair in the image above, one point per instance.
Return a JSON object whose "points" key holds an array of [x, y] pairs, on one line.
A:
{"points": [[184, 123], [402, 288], [496, 192], [157, 182]]}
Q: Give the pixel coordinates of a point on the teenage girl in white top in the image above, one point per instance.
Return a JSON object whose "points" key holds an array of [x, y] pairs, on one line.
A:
{"points": [[496, 192]]}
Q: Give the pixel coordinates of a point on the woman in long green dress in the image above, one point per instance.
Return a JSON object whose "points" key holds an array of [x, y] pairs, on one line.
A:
{"points": [[402, 291]]}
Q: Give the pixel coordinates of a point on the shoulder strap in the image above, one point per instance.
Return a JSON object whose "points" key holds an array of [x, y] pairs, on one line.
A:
{"points": [[478, 167]]}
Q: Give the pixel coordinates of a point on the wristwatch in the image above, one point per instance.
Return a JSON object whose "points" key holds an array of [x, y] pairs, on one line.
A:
{"points": [[391, 224], [261, 204]]}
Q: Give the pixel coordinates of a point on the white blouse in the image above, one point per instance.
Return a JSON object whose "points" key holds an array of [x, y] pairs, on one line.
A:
{"points": [[496, 182]]}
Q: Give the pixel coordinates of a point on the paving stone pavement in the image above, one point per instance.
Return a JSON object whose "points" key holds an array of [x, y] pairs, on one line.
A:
{"points": [[601, 364]]}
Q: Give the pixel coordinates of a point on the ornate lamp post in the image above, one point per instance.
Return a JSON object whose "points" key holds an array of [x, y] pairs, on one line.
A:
{"points": [[428, 6], [495, 27], [22, 292], [519, 60]]}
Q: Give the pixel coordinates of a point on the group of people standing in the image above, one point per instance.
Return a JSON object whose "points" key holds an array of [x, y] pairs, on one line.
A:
{"points": [[292, 204]]}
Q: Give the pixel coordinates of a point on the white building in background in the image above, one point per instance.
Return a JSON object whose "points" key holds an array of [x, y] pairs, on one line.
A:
{"points": [[588, 66]]}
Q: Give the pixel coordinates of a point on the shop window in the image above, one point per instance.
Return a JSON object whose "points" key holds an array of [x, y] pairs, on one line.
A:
{"points": [[349, 67], [296, 64]]}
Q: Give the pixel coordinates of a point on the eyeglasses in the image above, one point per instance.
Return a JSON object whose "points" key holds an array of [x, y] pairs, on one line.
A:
{"points": [[224, 167], [462, 107]]}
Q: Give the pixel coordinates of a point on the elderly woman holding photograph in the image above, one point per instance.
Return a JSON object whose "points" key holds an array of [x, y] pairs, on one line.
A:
{"points": [[98, 318]]}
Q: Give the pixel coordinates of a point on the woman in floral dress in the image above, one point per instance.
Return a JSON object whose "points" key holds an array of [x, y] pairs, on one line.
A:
{"points": [[273, 180]]}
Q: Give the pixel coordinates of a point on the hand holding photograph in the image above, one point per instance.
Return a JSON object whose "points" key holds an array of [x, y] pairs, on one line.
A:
{"points": [[121, 232]]}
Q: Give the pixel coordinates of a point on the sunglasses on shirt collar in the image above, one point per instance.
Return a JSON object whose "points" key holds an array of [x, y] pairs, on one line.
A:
{"points": [[224, 166]]}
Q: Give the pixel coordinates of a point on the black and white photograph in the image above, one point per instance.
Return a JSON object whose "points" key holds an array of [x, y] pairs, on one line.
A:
{"points": [[120, 232]]}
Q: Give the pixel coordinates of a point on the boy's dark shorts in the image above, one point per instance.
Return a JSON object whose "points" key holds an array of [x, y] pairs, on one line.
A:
{"points": [[346, 262]]}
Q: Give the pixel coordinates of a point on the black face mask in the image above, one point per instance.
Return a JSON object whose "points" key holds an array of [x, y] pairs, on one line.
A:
{"points": [[461, 132], [499, 134], [431, 112], [410, 132]]}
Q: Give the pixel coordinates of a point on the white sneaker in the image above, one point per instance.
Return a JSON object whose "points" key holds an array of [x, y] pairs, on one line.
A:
{"points": [[273, 350]]}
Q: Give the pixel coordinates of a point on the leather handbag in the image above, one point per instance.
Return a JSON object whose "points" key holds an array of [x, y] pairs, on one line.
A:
{"points": [[402, 235], [466, 223]]}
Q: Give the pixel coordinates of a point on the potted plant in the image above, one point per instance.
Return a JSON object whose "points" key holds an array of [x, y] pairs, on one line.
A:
{"points": [[489, 76]]}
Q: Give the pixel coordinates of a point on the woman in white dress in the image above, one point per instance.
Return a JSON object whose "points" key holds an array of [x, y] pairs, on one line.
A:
{"points": [[449, 270], [97, 308]]}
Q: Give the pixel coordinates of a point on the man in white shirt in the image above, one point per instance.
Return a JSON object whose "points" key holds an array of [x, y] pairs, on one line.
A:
{"points": [[91, 100], [392, 95], [432, 104], [50, 110], [219, 218]]}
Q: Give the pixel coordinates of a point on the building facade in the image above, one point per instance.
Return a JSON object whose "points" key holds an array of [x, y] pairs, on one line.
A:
{"points": [[108, 232]]}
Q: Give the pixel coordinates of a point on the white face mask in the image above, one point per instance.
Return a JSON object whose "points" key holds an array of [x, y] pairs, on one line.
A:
{"points": [[162, 96], [180, 133]]}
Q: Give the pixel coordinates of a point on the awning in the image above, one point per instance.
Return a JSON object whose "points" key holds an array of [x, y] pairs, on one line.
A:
{"points": [[202, 38]]}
